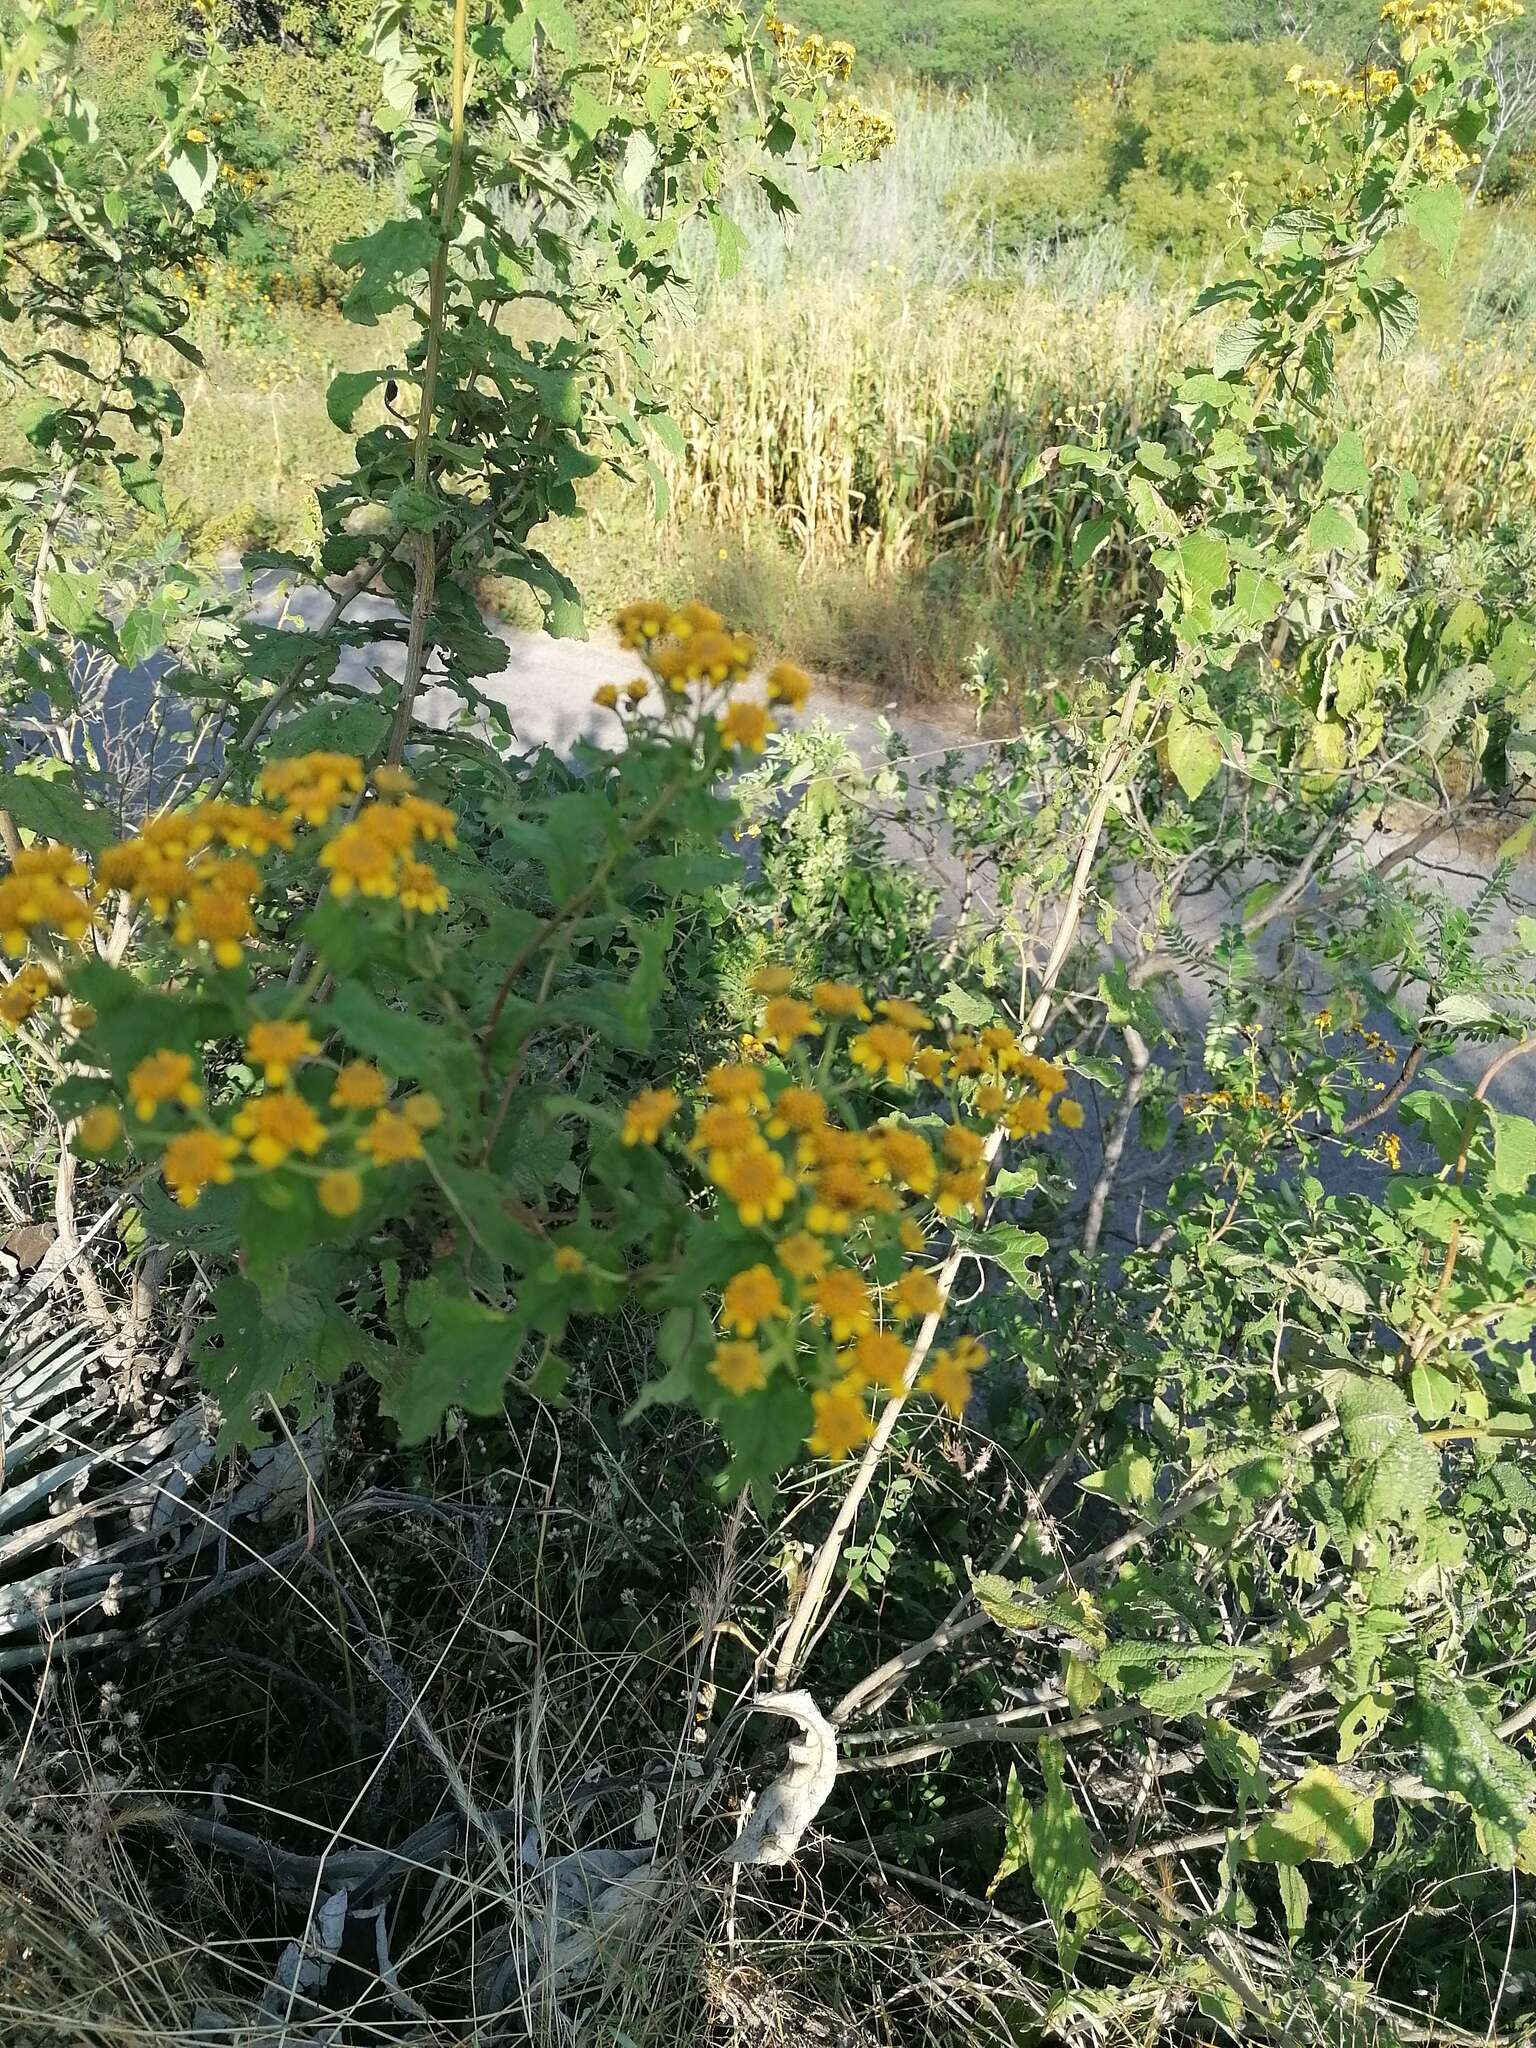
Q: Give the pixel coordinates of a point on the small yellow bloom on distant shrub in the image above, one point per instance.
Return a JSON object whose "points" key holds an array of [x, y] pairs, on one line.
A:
{"points": [[916, 1293], [739, 1368], [161, 1078], [649, 1114], [802, 1256], [195, 1160], [788, 685], [340, 1192], [422, 1111], [276, 1045], [786, 1019], [359, 1086], [275, 1125], [746, 725], [752, 1298], [842, 1301], [842, 1422], [100, 1128], [1071, 1115], [389, 1140]]}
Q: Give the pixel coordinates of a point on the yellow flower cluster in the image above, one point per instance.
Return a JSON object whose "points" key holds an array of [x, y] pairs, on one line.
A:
{"points": [[692, 649], [42, 894], [854, 132], [1442, 158], [199, 869], [1448, 21], [808, 60], [1369, 87], [275, 1127], [25, 993], [785, 1151]]}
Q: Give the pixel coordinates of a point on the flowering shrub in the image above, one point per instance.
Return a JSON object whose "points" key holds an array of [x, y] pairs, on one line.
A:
{"points": [[309, 961]]}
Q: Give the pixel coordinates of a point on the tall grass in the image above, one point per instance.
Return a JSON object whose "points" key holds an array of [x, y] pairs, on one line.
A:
{"points": [[901, 424]]}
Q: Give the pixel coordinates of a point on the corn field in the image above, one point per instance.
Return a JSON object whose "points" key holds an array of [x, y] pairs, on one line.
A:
{"points": [[902, 425]]}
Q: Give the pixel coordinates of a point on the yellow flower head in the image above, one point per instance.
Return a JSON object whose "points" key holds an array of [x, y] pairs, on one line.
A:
{"points": [[420, 890], [308, 788], [161, 1078], [195, 1160], [1030, 1117], [802, 1256], [361, 858], [422, 1110], [948, 1377], [389, 1140], [840, 999], [221, 919], [897, 1010], [640, 623], [649, 1114], [745, 725], [100, 1128], [929, 1062], [842, 1422], [29, 987], [841, 1299], [963, 1147], [275, 1125], [340, 1192], [758, 1185], [359, 1085], [884, 1049], [569, 1260], [772, 981], [797, 1109], [788, 685], [916, 1293], [960, 1190], [751, 1298], [606, 696], [1070, 1114], [739, 1368], [880, 1359], [910, 1234], [786, 1019], [739, 1087], [276, 1045], [908, 1158]]}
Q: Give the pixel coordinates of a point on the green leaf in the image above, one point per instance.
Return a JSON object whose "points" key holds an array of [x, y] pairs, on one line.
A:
{"points": [[193, 171], [416, 510], [1017, 1606], [1171, 1678], [1397, 1474], [468, 1352], [1514, 1153], [405, 1046], [1128, 1480], [1513, 659], [1205, 562], [346, 392], [1334, 529], [1323, 1821], [1015, 1826], [1194, 753], [1060, 1856], [52, 808], [1346, 470], [1460, 1753], [1006, 1245], [1435, 213], [1294, 1900]]}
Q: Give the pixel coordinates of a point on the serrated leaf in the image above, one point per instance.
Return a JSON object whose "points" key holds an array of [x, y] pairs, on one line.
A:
{"points": [[1397, 1474], [1460, 1753], [1322, 1821], [1514, 1153], [1194, 753], [1060, 1857], [52, 808], [1294, 1900], [1333, 529], [1435, 212], [1017, 1606], [1346, 470]]}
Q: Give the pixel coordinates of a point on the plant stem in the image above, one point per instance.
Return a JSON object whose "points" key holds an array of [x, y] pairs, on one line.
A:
{"points": [[426, 546]]}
